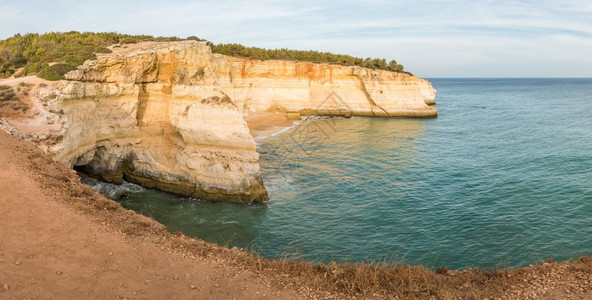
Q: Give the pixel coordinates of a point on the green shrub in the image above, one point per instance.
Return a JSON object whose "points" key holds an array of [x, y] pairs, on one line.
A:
{"points": [[300, 55], [75, 61], [194, 38], [35, 51], [103, 50], [32, 69], [128, 41], [55, 72]]}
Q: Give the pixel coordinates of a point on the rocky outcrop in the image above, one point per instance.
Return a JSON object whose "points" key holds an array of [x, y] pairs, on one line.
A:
{"points": [[170, 116], [322, 89], [187, 140], [255, 85]]}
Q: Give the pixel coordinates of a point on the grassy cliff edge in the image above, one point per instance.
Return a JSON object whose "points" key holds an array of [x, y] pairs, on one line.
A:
{"points": [[51, 55]]}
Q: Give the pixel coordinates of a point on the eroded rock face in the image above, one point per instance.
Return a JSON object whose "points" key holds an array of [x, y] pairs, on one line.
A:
{"points": [[187, 140], [255, 85], [170, 116], [312, 89]]}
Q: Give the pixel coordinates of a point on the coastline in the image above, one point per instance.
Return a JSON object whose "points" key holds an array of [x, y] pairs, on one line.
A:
{"points": [[122, 96], [263, 125], [98, 249], [61, 239]]}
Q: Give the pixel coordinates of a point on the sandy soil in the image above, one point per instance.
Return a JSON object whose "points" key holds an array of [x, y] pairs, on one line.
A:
{"points": [[36, 120], [265, 124], [32, 79]]}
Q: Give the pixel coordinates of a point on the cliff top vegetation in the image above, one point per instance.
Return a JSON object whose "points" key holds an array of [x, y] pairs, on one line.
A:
{"points": [[51, 55]]}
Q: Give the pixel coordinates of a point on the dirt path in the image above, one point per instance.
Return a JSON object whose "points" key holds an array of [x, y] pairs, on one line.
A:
{"points": [[50, 250]]}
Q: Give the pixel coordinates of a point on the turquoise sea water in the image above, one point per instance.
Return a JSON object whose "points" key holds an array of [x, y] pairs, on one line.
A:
{"points": [[502, 178]]}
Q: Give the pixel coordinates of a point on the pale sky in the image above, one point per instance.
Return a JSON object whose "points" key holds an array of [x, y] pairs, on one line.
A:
{"points": [[437, 38]]}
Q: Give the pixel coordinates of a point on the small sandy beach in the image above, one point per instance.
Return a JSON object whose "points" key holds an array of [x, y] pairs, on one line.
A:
{"points": [[265, 124]]}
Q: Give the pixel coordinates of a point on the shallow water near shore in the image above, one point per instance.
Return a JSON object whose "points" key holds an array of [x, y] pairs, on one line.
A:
{"points": [[500, 179]]}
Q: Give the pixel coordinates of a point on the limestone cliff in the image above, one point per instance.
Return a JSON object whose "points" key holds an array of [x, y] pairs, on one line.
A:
{"points": [[170, 116], [309, 88], [187, 140], [255, 85]]}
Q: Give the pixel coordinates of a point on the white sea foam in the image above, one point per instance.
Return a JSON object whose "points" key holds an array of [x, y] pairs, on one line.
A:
{"points": [[114, 191]]}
